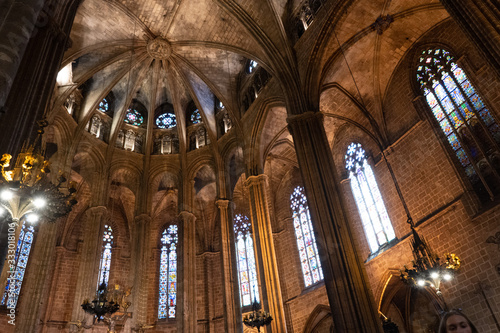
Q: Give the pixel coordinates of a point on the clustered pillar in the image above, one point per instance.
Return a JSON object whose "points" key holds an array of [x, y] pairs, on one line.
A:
{"points": [[232, 321], [266, 256], [186, 299], [348, 292]]}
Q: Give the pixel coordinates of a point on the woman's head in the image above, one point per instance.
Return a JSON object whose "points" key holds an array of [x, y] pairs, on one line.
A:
{"points": [[455, 321]]}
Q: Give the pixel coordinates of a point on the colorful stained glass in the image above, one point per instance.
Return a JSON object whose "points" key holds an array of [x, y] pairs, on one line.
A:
{"points": [[459, 98], [103, 105], [476, 101], [196, 117], [166, 120], [371, 207], [134, 117], [445, 126], [13, 286], [448, 82], [458, 73], [455, 144], [247, 270], [466, 111], [105, 263], [304, 232], [167, 299]]}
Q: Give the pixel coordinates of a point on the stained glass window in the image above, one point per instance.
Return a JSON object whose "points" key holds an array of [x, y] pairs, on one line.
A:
{"points": [[251, 66], [470, 129], [306, 241], [166, 120], [103, 105], [196, 117], [168, 273], [105, 263], [134, 117], [247, 271], [13, 287], [376, 222]]}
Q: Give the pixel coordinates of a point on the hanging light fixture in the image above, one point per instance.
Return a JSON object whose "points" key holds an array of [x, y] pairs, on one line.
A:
{"points": [[100, 306], [26, 190], [258, 317], [428, 269]]}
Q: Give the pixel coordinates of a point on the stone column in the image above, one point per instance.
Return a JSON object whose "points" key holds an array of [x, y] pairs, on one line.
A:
{"points": [[266, 256], [186, 293], [479, 20], [353, 308], [88, 270], [141, 252], [232, 316], [36, 284], [19, 18], [35, 74]]}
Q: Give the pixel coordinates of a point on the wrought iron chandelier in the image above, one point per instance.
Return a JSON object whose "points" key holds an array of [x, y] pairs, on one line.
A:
{"points": [[258, 318], [428, 268], [100, 306], [27, 191]]}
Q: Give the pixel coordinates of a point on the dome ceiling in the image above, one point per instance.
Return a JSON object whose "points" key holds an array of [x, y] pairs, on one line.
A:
{"points": [[162, 56]]}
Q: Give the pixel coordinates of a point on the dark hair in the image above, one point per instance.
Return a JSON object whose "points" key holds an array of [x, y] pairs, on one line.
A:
{"points": [[453, 312]]}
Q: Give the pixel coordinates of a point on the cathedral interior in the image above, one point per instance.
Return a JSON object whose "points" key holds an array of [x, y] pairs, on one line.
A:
{"points": [[300, 155]]}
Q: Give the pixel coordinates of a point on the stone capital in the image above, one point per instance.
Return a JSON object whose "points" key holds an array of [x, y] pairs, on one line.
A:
{"points": [[256, 180], [187, 217], [222, 203], [142, 219], [96, 211]]}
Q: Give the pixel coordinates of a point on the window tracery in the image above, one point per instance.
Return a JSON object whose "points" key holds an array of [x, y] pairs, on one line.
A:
{"points": [[105, 262], [469, 127], [134, 117], [374, 217], [166, 120], [196, 117], [23, 249], [168, 273], [247, 271], [306, 241], [103, 105]]}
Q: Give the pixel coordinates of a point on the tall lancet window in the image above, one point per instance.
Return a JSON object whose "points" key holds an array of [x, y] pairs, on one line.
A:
{"points": [[168, 273], [470, 129], [247, 271], [13, 287], [376, 222], [105, 263], [306, 242]]}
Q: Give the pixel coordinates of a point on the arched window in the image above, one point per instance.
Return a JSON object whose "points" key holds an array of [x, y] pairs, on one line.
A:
{"points": [[467, 124], [168, 273], [196, 117], [105, 263], [103, 105], [134, 117], [376, 222], [306, 242], [247, 271], [166, 120], [13, 287], [251, 66]]}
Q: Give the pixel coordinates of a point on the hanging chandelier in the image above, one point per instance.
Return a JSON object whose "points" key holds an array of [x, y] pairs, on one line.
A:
{"points": [[100, 306], [258, 317], [27, 191], [428, 268]]}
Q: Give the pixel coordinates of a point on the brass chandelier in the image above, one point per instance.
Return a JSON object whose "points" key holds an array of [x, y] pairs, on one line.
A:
{"points": [[258, 317], [100, 306], [26, 190], [428, 268]]}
